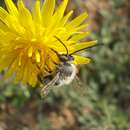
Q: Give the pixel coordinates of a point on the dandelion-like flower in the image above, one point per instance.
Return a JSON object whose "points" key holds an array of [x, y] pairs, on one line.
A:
{"points": [[27, 38]]}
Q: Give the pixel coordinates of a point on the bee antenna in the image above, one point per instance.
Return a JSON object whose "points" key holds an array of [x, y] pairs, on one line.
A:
{"points": [[62, 44], [85, 48]]}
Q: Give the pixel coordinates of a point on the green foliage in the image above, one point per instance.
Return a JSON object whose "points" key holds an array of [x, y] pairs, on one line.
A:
{"points": [[103, 100]]}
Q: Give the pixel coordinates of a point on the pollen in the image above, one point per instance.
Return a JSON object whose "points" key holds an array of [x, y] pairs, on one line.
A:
{"points": [[27, 38]]}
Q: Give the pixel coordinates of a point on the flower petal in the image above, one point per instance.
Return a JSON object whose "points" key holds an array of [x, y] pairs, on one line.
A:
{"points": [[83, 26], [81, 60], [77, 21], [25, 17], [82, 45], [11, 7], [3, 16], [47, 11], [37, 56], [37, 12], [56, 18], [79, 36], [30, 52], [65, 18], [60, 11]]}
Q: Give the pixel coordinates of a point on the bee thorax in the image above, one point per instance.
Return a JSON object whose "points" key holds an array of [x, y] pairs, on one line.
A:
{"points": [[67, 74]]}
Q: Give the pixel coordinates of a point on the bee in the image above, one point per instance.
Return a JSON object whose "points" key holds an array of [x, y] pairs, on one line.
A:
{"points": [[64, 74]]}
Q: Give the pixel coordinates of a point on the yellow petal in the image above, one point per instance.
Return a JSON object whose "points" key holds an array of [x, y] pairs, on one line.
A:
{"points": [[65, 18], [38, 56], [47, 11], [37, 12], [19, 72], [56, 18], [25, 17], [4, 62], [11, 7], [77, 21], [10, 21], [60, 10], [11, 68], [3, 26], [30, 52], [81, 60], [26, 74], [20, 59], [79, 36], [81, 46], [3, 16], [83, 26]]}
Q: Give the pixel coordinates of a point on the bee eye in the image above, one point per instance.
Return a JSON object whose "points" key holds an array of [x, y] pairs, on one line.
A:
{"points": [[63, 58], [70, 58]]}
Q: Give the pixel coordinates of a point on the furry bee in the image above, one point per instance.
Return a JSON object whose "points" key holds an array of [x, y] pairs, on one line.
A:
{"points": [[64, 74]]}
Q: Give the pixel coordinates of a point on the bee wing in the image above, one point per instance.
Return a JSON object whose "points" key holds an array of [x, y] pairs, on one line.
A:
{"points": [[79, 86], [46, 88]]}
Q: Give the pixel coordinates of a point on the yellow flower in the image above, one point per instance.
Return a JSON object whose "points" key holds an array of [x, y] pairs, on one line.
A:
{"points": [[26, 38]]}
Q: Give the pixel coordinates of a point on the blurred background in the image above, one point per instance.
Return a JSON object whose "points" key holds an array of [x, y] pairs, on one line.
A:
{"points": [[101, 100]]}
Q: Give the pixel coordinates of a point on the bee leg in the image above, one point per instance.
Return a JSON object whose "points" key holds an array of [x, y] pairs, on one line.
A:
{"points": [[58, 83], [47, 69], [46, 88], [38, 66], [40, 78], [54, 62]]}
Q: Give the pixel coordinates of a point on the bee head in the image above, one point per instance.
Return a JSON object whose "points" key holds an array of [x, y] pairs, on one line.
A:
{"points": [[65, 58]]}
